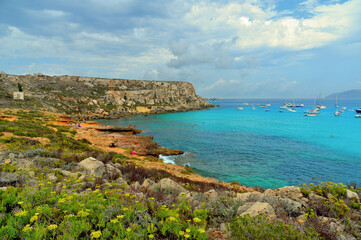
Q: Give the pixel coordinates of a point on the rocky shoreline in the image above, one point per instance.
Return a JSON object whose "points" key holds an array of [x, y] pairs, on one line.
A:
{"points": [[71, 164]]}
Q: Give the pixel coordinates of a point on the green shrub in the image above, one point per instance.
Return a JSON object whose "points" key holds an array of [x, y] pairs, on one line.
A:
{"points": [[259, 227], [111, 213], [19, 144]]}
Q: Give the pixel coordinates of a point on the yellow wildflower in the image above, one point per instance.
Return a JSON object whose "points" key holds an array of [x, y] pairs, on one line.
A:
{"points": [[63, 187], [61, 200], [96, 234], [96, 191], [129, 229], [20, 202], [188, 230], [172, 219], [52, 227], [126, 195], [186, 235], [197, 220], [53, 193], [41, 184], [21, 213], [82, 213], [48, 183], [33, 218], [181, 233], [300, 220], [201, 230], [69, 216], [114, 221], [150, 236], [27, 228], [120, 216]]}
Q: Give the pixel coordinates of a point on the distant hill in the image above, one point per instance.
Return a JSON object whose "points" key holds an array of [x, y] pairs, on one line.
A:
{"points": [[351, 94]]}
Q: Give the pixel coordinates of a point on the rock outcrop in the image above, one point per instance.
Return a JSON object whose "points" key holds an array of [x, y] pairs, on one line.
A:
{"points": [[93, 97], [93, 166]]}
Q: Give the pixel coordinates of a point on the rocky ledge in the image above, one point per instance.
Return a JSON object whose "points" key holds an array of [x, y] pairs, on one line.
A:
{"points": [[91, 97]]}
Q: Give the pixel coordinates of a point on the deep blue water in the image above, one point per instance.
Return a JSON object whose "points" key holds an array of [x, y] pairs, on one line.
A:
{"points": [[254, 147]]}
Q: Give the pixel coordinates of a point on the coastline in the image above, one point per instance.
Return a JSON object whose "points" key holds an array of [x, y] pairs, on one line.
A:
{"points": [[70, 164]]}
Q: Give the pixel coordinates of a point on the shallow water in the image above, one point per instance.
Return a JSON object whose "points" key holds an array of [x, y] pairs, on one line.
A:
{"points": [[254, 147]]}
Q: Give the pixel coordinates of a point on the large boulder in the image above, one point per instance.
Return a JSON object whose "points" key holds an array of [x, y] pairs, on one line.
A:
{"points": [[211, 195], [249, 196], [8, 179], [291, 192], [93, 166], [167, 184], [147, 183], [316, 198], [350, 195], [259, 208], [112, 171], [292, 207]]}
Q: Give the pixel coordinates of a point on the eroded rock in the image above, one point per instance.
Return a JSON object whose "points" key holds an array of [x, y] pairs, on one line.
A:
{"points": [[260, 208], [167, 184], [93, 166]]}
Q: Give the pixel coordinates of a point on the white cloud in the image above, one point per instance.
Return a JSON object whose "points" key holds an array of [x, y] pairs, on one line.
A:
{"points": [[257, 27]]}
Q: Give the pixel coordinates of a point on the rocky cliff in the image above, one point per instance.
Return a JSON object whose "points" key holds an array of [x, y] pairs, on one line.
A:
{"points": [[99, 97]]}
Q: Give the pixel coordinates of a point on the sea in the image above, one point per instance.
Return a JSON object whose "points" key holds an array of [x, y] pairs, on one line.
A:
{"points": [[255, 147]]}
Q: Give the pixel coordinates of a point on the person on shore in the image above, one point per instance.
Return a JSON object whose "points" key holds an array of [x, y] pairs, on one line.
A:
{"points": [[130, 125]]}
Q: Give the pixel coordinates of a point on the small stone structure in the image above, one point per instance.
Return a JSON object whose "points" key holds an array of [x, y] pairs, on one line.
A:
{"points": [[19, 95]]}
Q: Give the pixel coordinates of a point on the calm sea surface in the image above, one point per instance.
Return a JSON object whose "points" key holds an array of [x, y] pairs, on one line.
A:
{"points": [[255, 147]]}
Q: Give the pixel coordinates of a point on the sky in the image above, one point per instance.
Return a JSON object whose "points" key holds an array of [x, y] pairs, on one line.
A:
{"points": [[226, 49]]}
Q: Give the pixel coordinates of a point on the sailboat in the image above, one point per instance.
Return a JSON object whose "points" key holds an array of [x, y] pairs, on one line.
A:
{"points": [[337, 113], [314, 111], [320, 106], [293, 107]]}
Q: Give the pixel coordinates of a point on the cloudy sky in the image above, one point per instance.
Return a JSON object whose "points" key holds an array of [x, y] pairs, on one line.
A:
{"points": [[229, 49]]}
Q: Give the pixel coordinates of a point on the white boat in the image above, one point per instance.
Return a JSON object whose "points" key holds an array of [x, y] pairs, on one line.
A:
{"points": [[314, 111], [240, 108], [343, 108], [291, 110], [310, 114], [358, 116], [253, 107], [284, 107]]}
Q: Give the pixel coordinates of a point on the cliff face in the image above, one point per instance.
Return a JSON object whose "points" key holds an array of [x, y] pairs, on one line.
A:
{"points": [[99, 97]]}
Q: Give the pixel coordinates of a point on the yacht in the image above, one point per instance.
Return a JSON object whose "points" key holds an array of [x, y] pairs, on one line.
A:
{"points": [[310, 114]]}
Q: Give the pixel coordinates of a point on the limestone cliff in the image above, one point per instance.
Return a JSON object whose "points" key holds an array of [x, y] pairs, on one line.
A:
{"points": [[99, 97]]}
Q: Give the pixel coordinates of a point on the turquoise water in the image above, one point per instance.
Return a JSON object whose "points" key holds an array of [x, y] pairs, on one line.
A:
{"points": [[254, 147]]}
